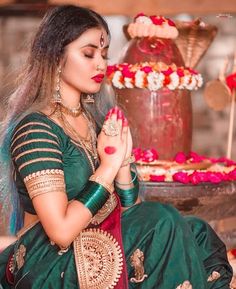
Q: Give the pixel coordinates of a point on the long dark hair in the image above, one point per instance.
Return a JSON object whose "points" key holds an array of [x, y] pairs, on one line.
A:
{"points": [[36, 84]]}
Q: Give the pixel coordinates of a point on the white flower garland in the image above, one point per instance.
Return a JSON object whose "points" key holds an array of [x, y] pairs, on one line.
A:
{"points": [[153, 76]]}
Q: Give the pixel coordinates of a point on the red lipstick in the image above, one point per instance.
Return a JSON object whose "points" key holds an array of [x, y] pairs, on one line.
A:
{"points": [[98, 78]]}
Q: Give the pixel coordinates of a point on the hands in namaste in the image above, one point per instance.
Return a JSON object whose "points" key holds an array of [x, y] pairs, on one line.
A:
{"points": [[115, 141]]}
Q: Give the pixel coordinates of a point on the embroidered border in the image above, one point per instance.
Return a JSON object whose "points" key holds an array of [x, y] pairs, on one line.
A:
{"points": [[45, 181], [105, 211], [98, 259]]}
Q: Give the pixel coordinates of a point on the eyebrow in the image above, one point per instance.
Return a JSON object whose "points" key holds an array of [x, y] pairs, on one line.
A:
{"points": [[94, 46]]}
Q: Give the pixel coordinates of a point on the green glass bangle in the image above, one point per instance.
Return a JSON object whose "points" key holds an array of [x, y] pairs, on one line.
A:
{"points": [[93, 196], [128, 197], [133, 181]]}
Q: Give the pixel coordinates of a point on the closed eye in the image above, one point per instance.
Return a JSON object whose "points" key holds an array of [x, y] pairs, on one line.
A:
{"points": [[105, 57], [88, 55]]}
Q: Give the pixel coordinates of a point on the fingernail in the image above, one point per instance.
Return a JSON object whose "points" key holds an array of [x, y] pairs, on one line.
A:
{"points": [[125, 121], [120, 115], [113, 111], [108, 114]]}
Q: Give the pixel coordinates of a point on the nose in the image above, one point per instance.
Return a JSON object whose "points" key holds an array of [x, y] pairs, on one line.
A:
{"points": [[99, 68], [102, 64]]}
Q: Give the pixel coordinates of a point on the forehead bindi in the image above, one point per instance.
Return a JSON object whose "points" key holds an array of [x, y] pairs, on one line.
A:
{"points": [[96, 38]]}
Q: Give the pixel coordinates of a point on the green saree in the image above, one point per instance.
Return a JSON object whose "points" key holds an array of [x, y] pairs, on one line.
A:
{"points": [[162, 249]]}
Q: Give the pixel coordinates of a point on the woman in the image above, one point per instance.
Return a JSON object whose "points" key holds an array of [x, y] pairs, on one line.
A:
{"points": [[74, 185]]}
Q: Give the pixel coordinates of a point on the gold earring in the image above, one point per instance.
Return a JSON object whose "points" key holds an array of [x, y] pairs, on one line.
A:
{"points": [[57, 94], [89, 99]]}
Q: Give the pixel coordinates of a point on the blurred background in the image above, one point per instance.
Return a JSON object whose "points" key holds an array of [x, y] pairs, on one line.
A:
{"points": [[20, 19]]}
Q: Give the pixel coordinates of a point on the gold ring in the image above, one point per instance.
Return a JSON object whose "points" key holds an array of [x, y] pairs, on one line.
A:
{"points": [[111, 128]]}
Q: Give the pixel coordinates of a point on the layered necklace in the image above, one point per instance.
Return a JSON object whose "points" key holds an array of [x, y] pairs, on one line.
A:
{"points": [[75, 111], [88, 143]]}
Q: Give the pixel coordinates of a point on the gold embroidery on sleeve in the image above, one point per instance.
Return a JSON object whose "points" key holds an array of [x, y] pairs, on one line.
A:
{"points": [[30, 123], [37, 150], [34, 140], [39, 160], [98, 259], [45, 181], [31, 131], [214, 276], [136, 261]]}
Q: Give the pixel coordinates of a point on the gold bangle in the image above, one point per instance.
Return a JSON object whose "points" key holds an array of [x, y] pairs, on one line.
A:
{"points": [[99, 180], [128, 161]]}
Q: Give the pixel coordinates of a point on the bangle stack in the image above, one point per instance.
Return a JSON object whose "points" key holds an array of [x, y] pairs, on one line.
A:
{"points": [[128, 197], [95, 194], [99, 180]]}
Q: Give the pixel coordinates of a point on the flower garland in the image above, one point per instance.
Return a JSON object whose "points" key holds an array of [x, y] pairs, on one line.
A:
{"points": [[220, 169], [153, 26], [153, 76]]}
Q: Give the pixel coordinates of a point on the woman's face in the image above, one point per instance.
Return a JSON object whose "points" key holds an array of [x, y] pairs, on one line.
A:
{"points": [[85, 61]]}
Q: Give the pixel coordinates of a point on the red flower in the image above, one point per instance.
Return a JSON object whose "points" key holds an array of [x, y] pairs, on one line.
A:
{"points": [[138, 154], [195, 158], [226, 161], [128, 73], [124, 66], [170, 22], [167, 72], [180, 158], [155, 178], [194, 178], [146, 69], [180, 72], [110, 69], [232, 175], [181, 177], [231, 81], [214, 177], [203, 177], [138, 15], [192, 71], [156, 20], [150, 155], [166, 80]]}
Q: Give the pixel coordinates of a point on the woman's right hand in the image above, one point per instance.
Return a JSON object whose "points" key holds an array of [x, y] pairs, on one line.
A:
{"points": [[112, 149]]}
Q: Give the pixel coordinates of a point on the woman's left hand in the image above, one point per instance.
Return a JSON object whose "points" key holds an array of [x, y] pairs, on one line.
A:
{"points": [[129, 145]]}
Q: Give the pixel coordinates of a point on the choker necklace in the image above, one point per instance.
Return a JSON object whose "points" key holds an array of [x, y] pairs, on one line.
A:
{"points": [[76, 111]]}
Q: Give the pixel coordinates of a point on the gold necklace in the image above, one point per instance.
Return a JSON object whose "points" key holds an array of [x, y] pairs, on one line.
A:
{"points": [[89, 147], [75, 111]]}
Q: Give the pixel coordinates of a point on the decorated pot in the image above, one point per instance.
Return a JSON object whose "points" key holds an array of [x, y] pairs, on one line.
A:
{"points": [[160, 119]]}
